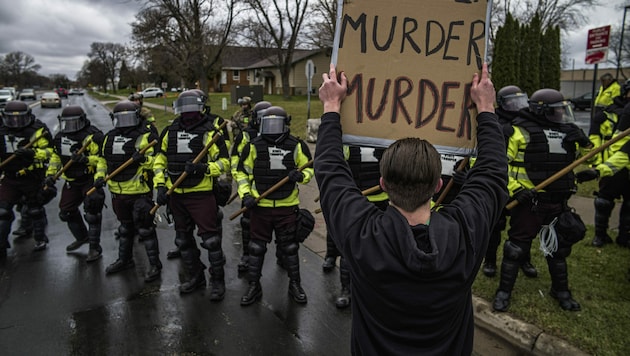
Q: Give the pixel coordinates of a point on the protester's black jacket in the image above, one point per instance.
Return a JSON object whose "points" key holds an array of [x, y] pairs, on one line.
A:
{"points": [[411, 286]]}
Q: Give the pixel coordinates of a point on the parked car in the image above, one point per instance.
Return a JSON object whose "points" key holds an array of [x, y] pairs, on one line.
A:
{"points": [[13, 91], [582, 102], [152, 93], [5, 96], [75, 91], [28, 94], [50, 99], [63, 93]]}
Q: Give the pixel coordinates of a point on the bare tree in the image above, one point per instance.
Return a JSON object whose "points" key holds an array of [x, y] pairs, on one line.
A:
{"points": [[110, 56], [321, 23], [189, 34], [566, 14], [19, 65], [280, 22]]}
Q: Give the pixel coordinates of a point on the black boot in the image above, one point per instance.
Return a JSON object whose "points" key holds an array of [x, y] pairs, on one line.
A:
{"points": [[153, 253], [529, 269], [560, 284], [243, 265], [94, 236], [38, 216], [512, 259], [186, 244], [330, 261], [343, 300], [119, 265], [603, 209], [174, 253], [296, 291], [217, 279], [25, 228], [290, 252], [254, 293], [198, 281], [76, 227], [489, 268]]}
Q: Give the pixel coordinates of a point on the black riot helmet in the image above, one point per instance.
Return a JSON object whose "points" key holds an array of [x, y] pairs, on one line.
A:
{"points": [[193, 100], [512, 98], [126, 114], [274, 121], [136, 97], [257, 111], [550, 104], [72, 119], [17, 114]]}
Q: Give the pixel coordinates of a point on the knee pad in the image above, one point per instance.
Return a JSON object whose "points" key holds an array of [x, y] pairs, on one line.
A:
{"points": [[125, 230], [6, 214], [512, 251], [562, 253], [36, 212], [604, 204], [184, 239], [245, 223], [257, 247], [93, 218], [290, 248], [66, 215], [211, 242], [146, 233]]}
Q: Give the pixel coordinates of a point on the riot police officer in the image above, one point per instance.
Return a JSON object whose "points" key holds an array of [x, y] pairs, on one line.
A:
{"points": [[603, 126], [240, 141], [240, 119], [76, 131], [131, 194], [193, 202], [269, 158], [544, 140], [23, 175]]}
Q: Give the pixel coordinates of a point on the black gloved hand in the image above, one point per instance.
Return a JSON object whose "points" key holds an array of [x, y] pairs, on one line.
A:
{"points": [[195, 168], [49, 182], [578, 136], [249, 201], [79, 158], [93, 203], [27, 155], [99, 183], [525, 195], [459, 177], [296, 176], [138, 157], [586, 175], [162, 197]]}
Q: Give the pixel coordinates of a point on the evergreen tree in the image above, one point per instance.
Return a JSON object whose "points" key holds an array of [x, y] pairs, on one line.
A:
{"points": [[531, 58], [550, 59], [506, 53]]}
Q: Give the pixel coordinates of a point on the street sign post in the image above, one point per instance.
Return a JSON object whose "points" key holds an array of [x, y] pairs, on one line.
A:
{"points": [[597, 45], [309, 71], [164, 85]]}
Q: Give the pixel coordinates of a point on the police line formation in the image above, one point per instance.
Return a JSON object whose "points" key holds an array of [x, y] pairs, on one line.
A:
{"points": [[190, 167]]}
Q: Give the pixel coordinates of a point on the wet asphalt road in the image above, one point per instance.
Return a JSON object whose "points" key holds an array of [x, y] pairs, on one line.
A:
{"points": [[54, 303]]}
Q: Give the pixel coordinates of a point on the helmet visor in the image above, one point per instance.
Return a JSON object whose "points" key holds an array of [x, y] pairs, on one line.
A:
{"points": [[515, 102], [560, 112], [126, 119], [272, 125], [71, 124], [16, 118], [188, 104]]}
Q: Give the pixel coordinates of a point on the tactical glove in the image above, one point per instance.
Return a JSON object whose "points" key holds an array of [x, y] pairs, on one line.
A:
{"points": [[249, 201], [195, 168], [296, 176], [162, 197], [138, 157], [587, 175], [525, 195]]}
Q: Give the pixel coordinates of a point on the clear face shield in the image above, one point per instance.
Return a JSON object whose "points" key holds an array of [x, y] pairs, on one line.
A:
{"points": [[515, 102], [126, 119], [71, 124], [560, 112], [16, 119], [188, 104], [272, 125]]}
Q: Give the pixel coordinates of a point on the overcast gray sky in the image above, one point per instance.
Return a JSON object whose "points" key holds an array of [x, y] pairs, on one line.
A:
{"points": [[58, 33]]}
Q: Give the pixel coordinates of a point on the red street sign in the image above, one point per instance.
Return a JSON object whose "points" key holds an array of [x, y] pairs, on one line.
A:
{"points": [[597, 44]]}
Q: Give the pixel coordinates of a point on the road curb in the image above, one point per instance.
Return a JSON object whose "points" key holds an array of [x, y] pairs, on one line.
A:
{"points": [[526, 337]]}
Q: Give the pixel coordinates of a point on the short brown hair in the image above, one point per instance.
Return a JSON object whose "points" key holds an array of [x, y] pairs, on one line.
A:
{"points": [[411, 169]]}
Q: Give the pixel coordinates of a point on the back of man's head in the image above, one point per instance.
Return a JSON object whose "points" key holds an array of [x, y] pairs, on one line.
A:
{"points": [[411, 169]]}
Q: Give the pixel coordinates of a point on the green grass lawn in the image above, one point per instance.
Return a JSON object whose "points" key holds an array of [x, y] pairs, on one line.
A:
{"points": [[598, 277]]}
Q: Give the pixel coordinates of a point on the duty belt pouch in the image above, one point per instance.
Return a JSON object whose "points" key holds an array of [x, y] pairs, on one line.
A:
{"points": [[570, 228], [305, 224], [222, 191]]}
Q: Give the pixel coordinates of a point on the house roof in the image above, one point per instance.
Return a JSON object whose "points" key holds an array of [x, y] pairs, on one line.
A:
{"points": [[298, 55], [234, 57]]}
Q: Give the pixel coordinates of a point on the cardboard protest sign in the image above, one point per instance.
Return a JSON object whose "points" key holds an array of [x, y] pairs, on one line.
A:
{"points": [[409, 65]]}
